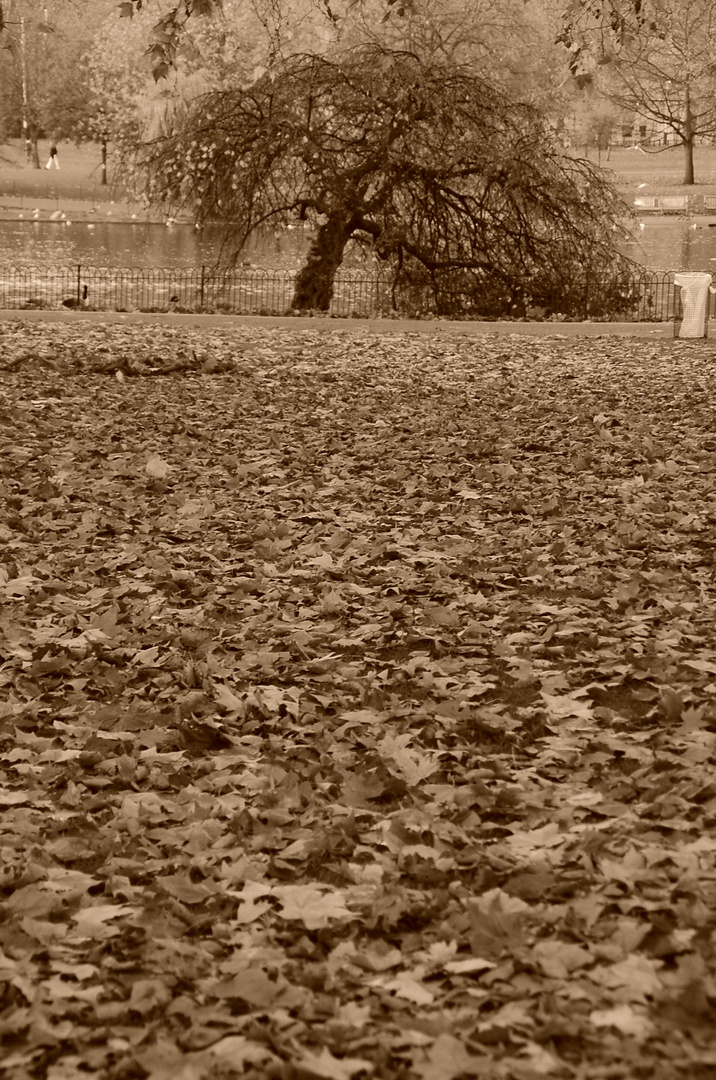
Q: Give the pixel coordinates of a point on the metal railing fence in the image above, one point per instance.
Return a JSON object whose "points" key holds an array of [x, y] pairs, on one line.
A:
{"points": [[648, 297], [204, 289]]}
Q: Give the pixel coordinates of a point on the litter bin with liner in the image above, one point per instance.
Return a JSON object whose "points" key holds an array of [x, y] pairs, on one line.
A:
{"points": [[695, 288]]}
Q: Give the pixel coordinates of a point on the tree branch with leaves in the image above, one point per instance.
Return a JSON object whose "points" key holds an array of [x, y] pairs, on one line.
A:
{"points": [[447, 181], [655, 58]]}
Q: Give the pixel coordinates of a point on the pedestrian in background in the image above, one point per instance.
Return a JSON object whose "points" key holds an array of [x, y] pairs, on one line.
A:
{"points": [[52, 159]]}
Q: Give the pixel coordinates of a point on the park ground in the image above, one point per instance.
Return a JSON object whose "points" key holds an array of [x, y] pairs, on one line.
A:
{"points": [[357, 704], [76, 188], [654, 172]]}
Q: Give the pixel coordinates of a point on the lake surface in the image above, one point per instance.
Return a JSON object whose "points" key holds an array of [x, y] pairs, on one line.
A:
{"points": [[105, 243], [662, 244], [675, 244]]}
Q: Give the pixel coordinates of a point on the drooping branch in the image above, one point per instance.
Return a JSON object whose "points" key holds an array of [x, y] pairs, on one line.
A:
{"points": [[436, 168]]}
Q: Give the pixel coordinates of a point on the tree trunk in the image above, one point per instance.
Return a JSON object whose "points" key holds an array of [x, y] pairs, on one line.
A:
{"points": [[689, 161], [688, 141], [32, 151], [313, 290], [103, 167]]}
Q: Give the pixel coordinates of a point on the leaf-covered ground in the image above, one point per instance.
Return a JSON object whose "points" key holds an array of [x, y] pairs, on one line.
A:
{"points": [[357, 706]]}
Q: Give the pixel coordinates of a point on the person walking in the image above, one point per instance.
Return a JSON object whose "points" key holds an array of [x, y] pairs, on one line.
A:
{"points": [[52, 159]]}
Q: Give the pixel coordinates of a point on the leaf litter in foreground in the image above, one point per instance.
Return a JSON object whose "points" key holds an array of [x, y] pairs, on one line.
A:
{"points": [[356, 705]]}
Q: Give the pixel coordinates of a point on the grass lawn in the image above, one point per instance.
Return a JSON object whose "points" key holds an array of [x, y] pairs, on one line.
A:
{"points": [[660, 173], [75, 187], [78, 179], [357, 705], [79, 175]]}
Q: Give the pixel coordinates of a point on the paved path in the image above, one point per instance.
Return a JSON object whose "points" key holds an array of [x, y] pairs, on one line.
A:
{"points": [[378, 326]]}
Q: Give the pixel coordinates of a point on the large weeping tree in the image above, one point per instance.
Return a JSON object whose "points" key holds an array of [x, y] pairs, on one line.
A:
{"points": [[459, 190]]}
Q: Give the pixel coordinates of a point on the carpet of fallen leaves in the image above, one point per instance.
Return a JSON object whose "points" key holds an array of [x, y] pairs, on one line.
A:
{"points": [[357, 706]]}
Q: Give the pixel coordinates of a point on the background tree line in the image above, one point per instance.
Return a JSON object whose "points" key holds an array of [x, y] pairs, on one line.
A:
{"points": [[434, 133], [80, 69], [83, 70]]}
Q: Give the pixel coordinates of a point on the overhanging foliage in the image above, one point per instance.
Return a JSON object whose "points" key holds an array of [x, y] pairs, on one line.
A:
{"points": [[435, 169]]}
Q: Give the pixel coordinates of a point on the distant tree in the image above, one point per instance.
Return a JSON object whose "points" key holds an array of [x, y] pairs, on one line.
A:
{"points": [[43, 88], [116, 84], [445, 179], [124, 99], [591, 121], [654, 58], [26, 51], [508, 42]]}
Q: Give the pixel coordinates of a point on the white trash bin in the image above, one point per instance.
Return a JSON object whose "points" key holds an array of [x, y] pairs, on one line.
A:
{"points": [[695, 287]]}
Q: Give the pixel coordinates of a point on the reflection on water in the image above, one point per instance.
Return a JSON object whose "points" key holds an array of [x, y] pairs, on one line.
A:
{"points": [[103, 243], [662, 244], [674, 244]]}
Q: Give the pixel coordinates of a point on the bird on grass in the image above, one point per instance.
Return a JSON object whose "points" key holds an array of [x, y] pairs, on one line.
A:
{"points": [[73, 302]]}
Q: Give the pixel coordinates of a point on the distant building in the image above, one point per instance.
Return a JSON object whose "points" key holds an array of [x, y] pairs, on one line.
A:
{"points": [[641, 131]]}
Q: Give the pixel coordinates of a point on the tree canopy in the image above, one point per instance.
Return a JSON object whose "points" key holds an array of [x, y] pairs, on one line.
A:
{"points": [[43, 84], [655, 58], [450, 183], [511, 37]]}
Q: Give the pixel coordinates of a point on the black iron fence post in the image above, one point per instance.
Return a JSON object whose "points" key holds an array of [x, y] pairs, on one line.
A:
{"points": [[201, 287], [79, 284]]}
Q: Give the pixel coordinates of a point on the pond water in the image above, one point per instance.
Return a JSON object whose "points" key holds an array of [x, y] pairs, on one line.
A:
{"points": [[104, 243], [662, 244]]}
